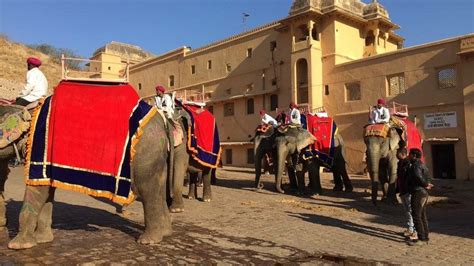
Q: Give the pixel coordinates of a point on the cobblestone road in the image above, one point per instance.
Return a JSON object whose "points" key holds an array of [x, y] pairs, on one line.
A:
{"points": [[244, 226]]}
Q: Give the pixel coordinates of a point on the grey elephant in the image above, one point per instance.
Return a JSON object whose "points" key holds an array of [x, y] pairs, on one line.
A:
{"points": [[382, 162], [183, 164], [264, 144], [289, 145], [149, 170]]}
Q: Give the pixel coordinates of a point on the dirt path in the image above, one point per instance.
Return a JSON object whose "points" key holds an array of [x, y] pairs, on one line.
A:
{"points": [[244, 226]]}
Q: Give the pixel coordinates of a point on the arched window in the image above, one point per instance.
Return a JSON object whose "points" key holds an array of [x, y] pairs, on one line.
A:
{"points": [[302, 80]]}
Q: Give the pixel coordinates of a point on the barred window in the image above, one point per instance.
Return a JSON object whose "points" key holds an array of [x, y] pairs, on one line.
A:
{"points": [[228, 109], [353, 91], [171, 81], [447, 78], [396, 84]]}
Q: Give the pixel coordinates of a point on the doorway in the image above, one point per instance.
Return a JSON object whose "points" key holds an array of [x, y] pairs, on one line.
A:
{"points": [[444, 162]]}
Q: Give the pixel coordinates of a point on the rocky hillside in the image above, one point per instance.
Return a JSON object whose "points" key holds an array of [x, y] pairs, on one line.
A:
{"points": [[13, 68]]}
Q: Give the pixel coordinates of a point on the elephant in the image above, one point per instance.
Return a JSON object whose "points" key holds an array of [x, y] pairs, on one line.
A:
{"points": [[288, 148], [184, 163], [264, 144], [149, 178], [382, 163]]}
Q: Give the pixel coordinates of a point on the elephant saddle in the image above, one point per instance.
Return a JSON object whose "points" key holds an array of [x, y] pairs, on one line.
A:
{"points": [[83, 138], [14, 121], [263, 128], [377, 130], [325, 130]]}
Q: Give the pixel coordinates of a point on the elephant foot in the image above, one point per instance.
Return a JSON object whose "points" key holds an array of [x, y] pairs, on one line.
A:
{"points": [[148, 238], [191, 197], [349, 189], [176, 208], [279, 190], [206, 198], [22, 241], [337, 188], [44, 236]]}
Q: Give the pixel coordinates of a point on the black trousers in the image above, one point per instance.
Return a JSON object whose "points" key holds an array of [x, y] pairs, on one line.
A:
{"points": [[21, 101], [419, 200]]}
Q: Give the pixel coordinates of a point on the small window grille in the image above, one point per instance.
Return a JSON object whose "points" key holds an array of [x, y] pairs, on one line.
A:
{"points": [[396, 85], [447, 78], [353, 91]]}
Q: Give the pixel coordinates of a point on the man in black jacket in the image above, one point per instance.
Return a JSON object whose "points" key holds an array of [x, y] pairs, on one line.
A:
{"points": [[402, 174], [418, 184]]}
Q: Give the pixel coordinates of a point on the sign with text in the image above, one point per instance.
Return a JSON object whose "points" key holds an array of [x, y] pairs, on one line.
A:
{"points": [[440, 120]]}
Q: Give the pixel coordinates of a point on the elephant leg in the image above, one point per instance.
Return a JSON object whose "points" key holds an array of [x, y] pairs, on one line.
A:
{"points": [[383, 177], [392, 179], [44, 232], [301, 184], [200, 179], [3, 178], [192, 193], [157, 215], [314, 178], [34, 200], [181, 159], [258, 170], [213, 177], [336, 177], [292, 177], [343, 177], [206, 178]]}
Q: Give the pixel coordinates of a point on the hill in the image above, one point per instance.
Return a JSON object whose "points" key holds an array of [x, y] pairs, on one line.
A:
{"points": [[13, 68]]}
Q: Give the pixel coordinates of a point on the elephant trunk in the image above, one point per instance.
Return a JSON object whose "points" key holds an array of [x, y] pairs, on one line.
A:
{"points": [[282, 154], [373, 159]]}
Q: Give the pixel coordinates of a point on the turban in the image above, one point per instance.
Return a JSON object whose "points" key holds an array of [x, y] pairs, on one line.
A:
{"points": [[262, 112], [160, 88], [381, 101], [293, 105], [34, 61]]}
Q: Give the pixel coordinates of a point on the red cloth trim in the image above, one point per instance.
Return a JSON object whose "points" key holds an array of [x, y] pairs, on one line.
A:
{"points": [[321, 128], [89, 124], [204, 123]]}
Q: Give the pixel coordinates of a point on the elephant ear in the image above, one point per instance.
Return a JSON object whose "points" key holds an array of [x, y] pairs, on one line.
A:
{"points": [[304, 139], [393, 139]]}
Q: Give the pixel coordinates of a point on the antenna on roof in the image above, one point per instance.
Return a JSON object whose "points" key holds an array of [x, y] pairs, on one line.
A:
{"points": [[244, 20]]}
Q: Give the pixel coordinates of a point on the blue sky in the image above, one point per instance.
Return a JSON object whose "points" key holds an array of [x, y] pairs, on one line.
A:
{"points": [[162, 25]]}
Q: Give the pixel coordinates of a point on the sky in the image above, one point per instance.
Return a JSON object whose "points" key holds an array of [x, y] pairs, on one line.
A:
{"points": [[159, 26]]}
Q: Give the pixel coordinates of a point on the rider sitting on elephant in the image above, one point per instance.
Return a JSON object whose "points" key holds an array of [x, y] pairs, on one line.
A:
{"points": [[36, 84], [379, 113], [267, 119], [295, 115], [164, 102]]}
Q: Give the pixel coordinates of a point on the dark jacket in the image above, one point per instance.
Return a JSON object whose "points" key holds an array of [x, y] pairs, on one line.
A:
{"points": [[402, 176], [418, 176]]}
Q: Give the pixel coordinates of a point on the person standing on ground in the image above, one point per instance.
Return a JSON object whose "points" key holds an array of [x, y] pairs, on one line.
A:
{"points": [[36, 83], [405, 196], [418, 183]]}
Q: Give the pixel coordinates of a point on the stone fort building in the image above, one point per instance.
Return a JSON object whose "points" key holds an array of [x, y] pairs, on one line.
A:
{"points": [[338, 54]]}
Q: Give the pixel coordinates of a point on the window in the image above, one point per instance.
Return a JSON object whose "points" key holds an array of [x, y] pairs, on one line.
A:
{"points": [[228, 67], [228, 109], [273, 45], [209, 64], [274, 82], [228, 156], [250, 107], [171, 81], [326, 89], [210, 108], [396, 84], [139, 86], [249, 52], [250, 156], [193, 69], [447, 78], [353, 91], [273, 102], [109, 68]]}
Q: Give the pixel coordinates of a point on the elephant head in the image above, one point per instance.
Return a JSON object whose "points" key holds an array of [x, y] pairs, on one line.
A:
{"points": [[263, 144]]}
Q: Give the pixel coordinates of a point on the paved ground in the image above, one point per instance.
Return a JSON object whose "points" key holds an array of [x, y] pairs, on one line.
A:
{"points": [[244, 226]]}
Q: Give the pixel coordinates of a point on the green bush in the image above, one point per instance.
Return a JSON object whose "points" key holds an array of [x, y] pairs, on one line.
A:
{"points": [[55, 54]]}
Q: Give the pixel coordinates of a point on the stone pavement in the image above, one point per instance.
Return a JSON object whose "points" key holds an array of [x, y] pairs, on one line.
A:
{"points": [[242, 226]]}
